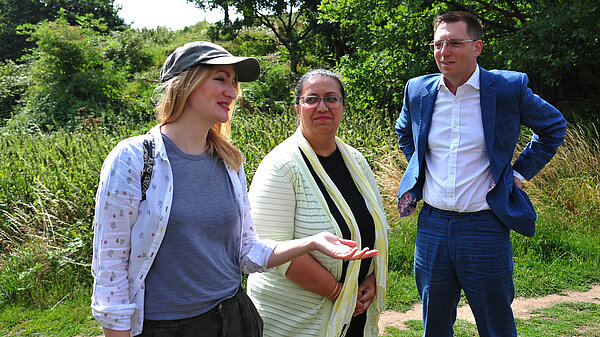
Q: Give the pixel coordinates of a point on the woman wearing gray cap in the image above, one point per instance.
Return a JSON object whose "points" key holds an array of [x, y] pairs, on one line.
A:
{"points": [[172, 227]]}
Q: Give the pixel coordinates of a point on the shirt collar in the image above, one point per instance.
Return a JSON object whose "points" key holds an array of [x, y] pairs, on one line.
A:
{"points": [[473, 81]]}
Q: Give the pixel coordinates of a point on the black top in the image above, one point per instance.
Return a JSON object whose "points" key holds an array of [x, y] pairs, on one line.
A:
{"points": [[340, 175]]}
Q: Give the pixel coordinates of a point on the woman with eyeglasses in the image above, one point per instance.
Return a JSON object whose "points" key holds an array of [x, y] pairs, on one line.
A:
{"points": [[314, 182]]}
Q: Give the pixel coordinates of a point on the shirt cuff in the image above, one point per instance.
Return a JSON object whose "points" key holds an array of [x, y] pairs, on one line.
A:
{"points": [[518, 175], [269, 247], [258, 256], [114, 317]]}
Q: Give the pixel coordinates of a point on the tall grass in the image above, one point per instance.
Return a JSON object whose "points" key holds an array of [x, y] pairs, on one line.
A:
{"points": [[47, 189], [258, 133], [570, 183]]}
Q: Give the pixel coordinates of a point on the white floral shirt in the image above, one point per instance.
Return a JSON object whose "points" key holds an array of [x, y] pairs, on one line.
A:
{"points": [[128, 233]]}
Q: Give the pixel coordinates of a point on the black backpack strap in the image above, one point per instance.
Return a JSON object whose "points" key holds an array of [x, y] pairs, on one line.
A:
{"points": [[148, 164]]}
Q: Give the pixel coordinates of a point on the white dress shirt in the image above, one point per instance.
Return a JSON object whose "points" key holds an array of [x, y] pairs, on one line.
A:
{"points": [[457, 170]]}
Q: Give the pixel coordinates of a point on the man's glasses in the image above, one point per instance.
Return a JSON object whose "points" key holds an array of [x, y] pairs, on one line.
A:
{"points": [[451, 43], [331, 102]]}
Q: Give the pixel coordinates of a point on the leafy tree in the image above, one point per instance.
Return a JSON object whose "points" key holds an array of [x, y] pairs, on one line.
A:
{"points": [[215, 4], [70, 77], [551, 40], [128, 49], [555, 46], [17, 12], [386, 46], [12, 84], [294, 23], [271, 93]]}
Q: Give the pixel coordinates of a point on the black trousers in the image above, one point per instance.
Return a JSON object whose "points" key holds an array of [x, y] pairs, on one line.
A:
{"points": [[357, 326], [234, 317]]}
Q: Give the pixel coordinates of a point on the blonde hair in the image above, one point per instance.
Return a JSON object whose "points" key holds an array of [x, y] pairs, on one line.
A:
{"points": [[175, 93]]}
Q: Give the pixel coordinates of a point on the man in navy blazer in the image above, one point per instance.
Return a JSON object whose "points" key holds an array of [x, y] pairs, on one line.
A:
{"points": [[458, 131]]}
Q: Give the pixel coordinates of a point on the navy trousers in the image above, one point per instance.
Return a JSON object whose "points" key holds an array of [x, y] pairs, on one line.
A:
{"points": [[468, 251]]}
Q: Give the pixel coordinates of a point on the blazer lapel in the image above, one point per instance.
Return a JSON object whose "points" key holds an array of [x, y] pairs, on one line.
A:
{"points": [[428, 97], [487, 96]]}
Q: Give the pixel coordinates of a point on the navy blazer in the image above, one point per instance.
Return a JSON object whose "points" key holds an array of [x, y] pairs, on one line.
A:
{"points": [[506, 104]]}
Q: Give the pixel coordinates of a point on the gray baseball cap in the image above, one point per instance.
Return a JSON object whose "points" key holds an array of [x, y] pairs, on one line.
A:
{"points": [[201, 52]]}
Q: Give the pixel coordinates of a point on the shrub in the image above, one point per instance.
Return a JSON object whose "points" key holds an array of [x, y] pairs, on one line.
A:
{"points": [[12, 84], [129, 49], [70, 77], [272, 92], [254, 41]]}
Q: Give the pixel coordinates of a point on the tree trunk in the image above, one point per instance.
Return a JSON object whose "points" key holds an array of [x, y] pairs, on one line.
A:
{"points": [[226, 18], [293, 50]]}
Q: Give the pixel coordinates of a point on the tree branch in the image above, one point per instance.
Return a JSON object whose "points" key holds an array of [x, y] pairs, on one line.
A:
{"points": [[265, 21], [488, 6]]}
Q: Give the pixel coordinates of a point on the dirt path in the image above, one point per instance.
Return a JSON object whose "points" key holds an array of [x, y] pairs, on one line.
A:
{"points": [[521, 308]]}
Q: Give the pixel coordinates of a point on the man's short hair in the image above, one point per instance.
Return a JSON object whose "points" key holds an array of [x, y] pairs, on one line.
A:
{"points": [[474, 28]]}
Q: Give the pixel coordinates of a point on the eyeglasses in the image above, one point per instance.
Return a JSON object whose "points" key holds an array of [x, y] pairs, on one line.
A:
{"points": [[451, 43], [331, 102]]}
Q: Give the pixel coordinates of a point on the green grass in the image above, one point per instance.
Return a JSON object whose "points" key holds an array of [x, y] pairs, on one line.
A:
{"points": [[556, 258], [563, 319], [68, 317]]}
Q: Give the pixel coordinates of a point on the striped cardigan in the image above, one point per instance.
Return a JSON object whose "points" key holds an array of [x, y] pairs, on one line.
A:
{"points": [[284, 206]]}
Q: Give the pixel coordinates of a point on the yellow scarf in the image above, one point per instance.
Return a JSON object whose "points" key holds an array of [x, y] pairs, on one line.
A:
{"points": [[345, 304]]}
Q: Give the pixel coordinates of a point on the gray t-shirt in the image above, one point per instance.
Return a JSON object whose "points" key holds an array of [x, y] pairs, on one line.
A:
{"points": [[197, 265]]}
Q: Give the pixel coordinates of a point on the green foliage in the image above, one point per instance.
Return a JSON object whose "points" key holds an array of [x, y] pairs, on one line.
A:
{"points": [[252, 41], [68, 316], [223, 5], [271, 93], [292, 23], [70, 79], [364, 74], [224, 32], [47, 188], [128, 48], [388, 47], [33, 275], [574, 175], [549, 40], [163, 41], [133, 54], [554, 47], [255, 134], [78, 74], [17, 12], [13, 81]]}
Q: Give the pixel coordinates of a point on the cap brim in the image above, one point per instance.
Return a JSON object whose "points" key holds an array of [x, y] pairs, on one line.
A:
{"points": [[247, 68]]}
